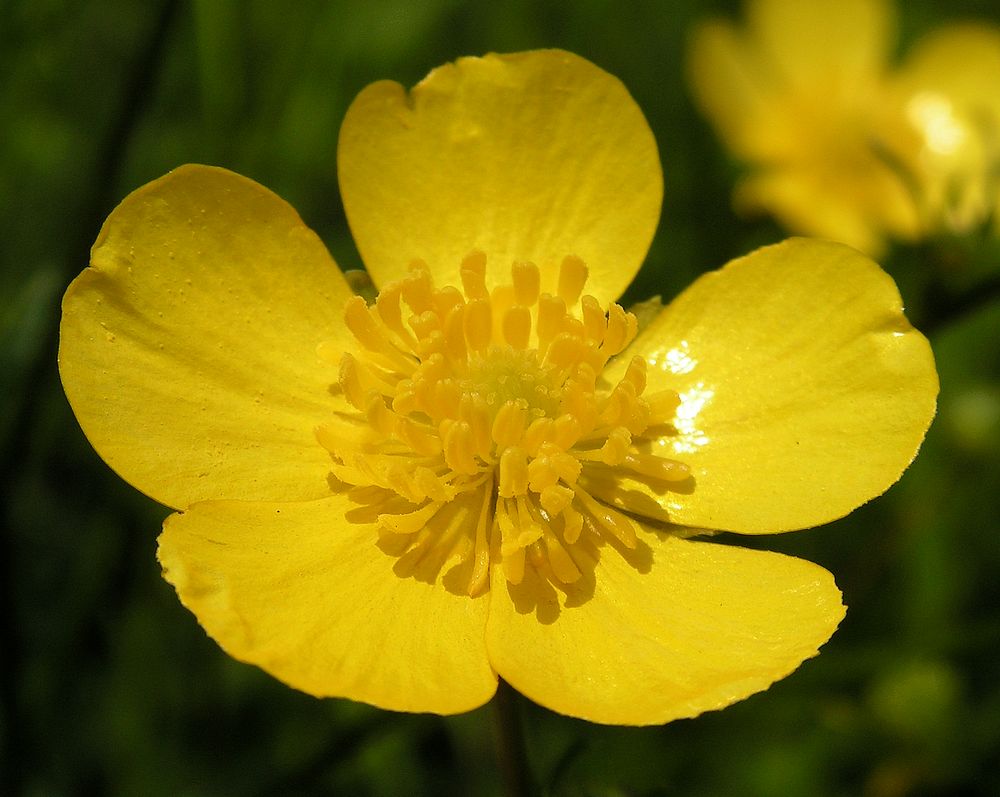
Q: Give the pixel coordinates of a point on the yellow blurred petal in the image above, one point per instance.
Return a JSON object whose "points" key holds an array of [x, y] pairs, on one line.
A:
{"points": [[947, 125], [188, 348], [735, 90], [532, 156], [304, 592], [804, 390], [799, 94], [961, 61], [854, 202], [820, 45], [687, 627]]}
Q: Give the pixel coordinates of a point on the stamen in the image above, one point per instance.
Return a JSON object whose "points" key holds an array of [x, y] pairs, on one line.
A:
{"points": [[667, 470], [411, 522], [572, 277], [563, 566], [510, 422], [513, 472], [387, 304], [478, 324], [417, 287], [473, 273], [481, 550], [526, 280], [610, 519], [491, 397], [551, 313], [517, 326], [458, 451], [594, 321], [617, 337]]}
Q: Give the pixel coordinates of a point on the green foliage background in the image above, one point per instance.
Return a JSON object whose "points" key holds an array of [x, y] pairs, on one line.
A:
{"points": [[110, 687]]}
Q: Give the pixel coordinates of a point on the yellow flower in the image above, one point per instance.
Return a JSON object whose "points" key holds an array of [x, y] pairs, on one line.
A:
{"points": [[488, 472], [947, 137], [839, 145]]}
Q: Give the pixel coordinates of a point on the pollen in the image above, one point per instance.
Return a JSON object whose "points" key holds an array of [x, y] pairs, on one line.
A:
{"points": [[482, 414]]}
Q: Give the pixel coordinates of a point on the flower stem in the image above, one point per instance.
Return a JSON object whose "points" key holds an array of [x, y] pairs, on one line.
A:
{"points": [[511, 751]]}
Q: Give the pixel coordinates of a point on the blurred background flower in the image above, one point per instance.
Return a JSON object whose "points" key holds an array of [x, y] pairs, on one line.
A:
{"points": [[108, 687], [840, 141]]}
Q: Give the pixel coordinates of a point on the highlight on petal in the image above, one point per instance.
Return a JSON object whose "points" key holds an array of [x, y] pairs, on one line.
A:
{"points": [[804, 390], [695, 627], [304, 592], [528, 157], [188, 348]]}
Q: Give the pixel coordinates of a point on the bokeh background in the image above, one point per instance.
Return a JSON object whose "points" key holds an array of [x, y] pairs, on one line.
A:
{"points": [[110, 687]]}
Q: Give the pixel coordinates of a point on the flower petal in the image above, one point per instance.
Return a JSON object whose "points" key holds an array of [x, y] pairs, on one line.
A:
{"points": [[531, 156], [816, 45], [799, 94], [949, 107], [960, 61], [804, 390], [303, 591], [735, 89], [685, 627], [854, 202], [188, 348]]}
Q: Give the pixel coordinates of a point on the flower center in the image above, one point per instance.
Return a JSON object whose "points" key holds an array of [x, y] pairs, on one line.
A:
{"points": [[481, 415]]}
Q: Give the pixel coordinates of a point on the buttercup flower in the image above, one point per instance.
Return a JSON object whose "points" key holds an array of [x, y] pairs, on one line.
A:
{"points": [[840, 145], [489, 471], [947, 135]]}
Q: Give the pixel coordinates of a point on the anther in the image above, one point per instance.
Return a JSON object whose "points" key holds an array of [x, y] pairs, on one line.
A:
{"points": [[620, 526], [555, 498], [526, 279], [616, 338], [410, 522], [473, 273], [458, 451], [659, 468], [492, 397], [572, 278], [562, 564], [389, 310], [594, 321], [509, 424], [513, 472], [517, 326], [478, 324], [418, 287], [551, 312]]}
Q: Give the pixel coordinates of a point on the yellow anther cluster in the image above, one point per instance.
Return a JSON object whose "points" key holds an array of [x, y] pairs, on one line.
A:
{"points": [[490, 400]]}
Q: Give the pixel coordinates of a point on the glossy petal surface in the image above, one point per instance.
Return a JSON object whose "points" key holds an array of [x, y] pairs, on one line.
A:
{"points": [[188, 348], [804, 390], [303, 591], [685, 627], [532, 156]]}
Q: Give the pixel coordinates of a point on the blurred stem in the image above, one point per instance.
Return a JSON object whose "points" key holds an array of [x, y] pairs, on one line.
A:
{"points": [[511, 751]]}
